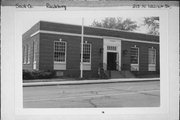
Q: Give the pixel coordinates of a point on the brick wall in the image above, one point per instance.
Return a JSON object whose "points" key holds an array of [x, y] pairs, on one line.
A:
{"points": [[46, 47], [143, 54], [72, 55], [29, 42]]}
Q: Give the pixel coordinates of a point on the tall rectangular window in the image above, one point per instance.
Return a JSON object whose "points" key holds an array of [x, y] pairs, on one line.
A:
{"points": [[86, 53], [24, 54], [134, 58], [152, 59], [134, 55], [28, 54], [34, 54], [60, 51], [34, 51], [152, 56]]}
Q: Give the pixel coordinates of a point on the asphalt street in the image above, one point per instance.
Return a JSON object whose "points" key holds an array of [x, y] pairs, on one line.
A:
{"points": [[127, 94]]}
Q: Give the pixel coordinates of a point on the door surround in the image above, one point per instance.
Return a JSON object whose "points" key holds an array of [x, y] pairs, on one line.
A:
{"points": [[111, 45]]}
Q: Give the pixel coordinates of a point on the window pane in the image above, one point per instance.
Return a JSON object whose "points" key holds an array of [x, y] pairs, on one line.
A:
{"points": [[35, 50], [152, 56], [24, 54], [27, 54], [59, 51], [86, 52], [134, 55], [113, 48]]}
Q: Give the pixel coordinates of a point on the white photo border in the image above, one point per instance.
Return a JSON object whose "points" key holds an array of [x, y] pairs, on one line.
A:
{"points": [[12, 97]]}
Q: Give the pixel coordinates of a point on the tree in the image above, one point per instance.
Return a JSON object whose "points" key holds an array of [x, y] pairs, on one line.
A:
{"points": [[153, 25], [116, 23]]}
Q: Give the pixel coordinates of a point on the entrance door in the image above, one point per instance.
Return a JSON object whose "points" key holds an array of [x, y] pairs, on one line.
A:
{"points": [[111, 61]]}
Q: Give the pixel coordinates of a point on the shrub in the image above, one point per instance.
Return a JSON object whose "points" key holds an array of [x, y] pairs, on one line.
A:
{"points": [[34, 74]]}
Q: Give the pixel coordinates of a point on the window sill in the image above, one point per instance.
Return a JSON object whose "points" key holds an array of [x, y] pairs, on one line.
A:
{"points": [[59, 66], [60, 62], [26, 63], [87, 66], [134, 67], [86, 63]]}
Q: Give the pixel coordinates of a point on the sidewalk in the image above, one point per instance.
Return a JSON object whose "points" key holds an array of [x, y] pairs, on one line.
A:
{"points": [[78, 82]]}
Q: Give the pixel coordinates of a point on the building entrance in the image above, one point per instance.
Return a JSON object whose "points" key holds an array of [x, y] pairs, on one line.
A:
{"points": [[111, 61]]}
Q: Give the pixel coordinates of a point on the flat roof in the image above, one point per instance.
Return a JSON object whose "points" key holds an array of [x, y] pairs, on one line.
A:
{"points": [[97, 31]]}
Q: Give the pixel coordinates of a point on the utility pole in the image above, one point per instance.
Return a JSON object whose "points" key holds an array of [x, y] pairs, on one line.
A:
{"points": [[82, 40]]}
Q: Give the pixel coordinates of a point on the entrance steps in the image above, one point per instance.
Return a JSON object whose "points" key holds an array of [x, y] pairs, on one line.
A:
{"points": [[120, 74]]}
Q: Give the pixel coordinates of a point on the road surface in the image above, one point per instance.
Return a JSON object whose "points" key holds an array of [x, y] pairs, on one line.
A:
{"points": [[129, 94]]}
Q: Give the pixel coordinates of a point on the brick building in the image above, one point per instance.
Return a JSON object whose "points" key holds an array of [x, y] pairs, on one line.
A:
{"points": [[57, 46]]}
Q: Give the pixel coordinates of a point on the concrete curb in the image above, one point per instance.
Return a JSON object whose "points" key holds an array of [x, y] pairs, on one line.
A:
{"points": [[31, 84]]}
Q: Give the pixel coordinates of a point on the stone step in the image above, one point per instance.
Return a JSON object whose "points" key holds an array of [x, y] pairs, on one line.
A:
{"points": [[117, 74]]}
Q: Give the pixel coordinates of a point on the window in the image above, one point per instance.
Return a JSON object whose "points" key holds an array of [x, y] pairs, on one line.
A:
{"points": [[34, 54], [134, 55], [24, 54], [152, 56], [59, 51], [28, 54], [134, 58], [34, 51], [112, 48], [87, 53], [152, 59]]}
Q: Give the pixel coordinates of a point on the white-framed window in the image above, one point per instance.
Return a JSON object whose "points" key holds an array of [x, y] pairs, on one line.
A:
{"points": [[34, 51], [134, 58], [86, 53], [28, 54], [60, 51], [34, 54], [152, 59], [152, 56], [134, 55], [24, 54]]}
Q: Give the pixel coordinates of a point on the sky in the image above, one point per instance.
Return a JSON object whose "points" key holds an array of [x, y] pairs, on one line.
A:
{"points": [[28, 19]]}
